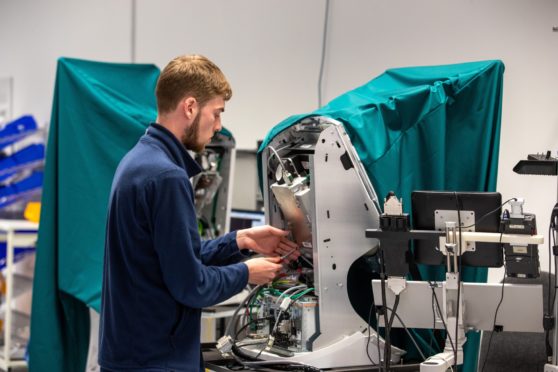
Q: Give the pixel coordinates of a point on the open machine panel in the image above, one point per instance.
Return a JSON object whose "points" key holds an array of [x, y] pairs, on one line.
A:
{"points": [[306, 316]]}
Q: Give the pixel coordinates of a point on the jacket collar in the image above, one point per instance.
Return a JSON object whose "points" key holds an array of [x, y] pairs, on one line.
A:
{"points": [[176, 150]]}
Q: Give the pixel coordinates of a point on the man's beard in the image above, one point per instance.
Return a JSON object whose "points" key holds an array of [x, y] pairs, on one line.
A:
{"points": [[190, 138]]}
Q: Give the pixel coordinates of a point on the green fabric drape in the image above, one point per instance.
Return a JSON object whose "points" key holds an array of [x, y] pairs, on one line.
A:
{"points": [[424, 128], [99, 112]]}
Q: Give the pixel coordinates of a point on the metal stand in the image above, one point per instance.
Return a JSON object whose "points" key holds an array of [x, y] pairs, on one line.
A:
{"points": [[453, 309], [555, 335], [547, 166], [453, 294], [554, 356]]}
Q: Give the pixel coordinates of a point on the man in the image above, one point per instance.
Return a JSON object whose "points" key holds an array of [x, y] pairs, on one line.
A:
{"points": [[158, 274]]}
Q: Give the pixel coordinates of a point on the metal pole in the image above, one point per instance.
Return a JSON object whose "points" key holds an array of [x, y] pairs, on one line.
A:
{"points": [[9, 292], [555, 330]]}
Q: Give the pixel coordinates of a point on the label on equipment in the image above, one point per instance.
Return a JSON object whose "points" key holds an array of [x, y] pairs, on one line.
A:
{"points": [[518, 227]]}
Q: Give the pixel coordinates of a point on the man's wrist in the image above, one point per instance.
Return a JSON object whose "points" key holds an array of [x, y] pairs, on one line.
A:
{"points": [[240, 237]]}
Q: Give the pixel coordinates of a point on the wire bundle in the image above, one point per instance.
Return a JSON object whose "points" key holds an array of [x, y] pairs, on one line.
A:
{"points": [[289, 296]]}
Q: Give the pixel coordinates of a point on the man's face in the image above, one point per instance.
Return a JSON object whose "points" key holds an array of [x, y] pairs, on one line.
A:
{"points": [[206, 123]]}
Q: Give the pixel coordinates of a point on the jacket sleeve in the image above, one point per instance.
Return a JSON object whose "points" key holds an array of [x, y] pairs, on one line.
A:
{"points": [[222, 251], [177, 244]]}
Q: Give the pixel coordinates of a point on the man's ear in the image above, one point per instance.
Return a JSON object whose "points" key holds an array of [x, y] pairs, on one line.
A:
{"points": [[190, 107]]}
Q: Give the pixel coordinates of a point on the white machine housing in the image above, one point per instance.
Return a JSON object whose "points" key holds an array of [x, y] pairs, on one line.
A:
{"points": [[330, 233]]}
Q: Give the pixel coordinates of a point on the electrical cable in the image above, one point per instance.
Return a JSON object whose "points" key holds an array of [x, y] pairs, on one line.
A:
{"points": [[278, 319], [433, 318], [392, 317], [240, 355], [369, 335], [550, 303], [289, 144], [293, 166], [301, 293], [322, 60], [552, 233], [549, 270], [496, 312], [555, 278], [296, 287], [443, 321], [407, 331], [262, 290], [395, 305], [237, 352], [555, 288], [379, 365], [284, 169], [273, 330], [253, 321], [432, 286], [251, 303], [288, 365], [240, 306], [489, 213], [459, 267], [306, 260], [296, 366], [388, 326], [387, 341], [378, 341]]}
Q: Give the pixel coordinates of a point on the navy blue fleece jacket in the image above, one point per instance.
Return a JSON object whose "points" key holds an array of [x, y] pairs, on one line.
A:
{"points": [[158, 274]]}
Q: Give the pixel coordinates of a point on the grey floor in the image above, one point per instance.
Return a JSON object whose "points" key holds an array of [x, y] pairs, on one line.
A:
{"points": [[513, 351], [510, 351]]}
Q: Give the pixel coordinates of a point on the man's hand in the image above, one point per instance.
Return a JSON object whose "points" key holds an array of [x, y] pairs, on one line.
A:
{"points": [[263, 270], [269, 241]]}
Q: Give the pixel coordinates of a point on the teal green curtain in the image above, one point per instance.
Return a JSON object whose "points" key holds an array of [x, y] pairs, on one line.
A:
{"points": [[424, 128], [99, 112]]}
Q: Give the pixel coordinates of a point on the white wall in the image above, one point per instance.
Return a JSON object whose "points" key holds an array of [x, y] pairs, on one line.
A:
{"points": [[34, 34], [270, 50]]}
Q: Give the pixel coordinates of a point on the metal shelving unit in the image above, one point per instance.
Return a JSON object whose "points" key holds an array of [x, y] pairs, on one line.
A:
{"points": [[16, 233]]}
